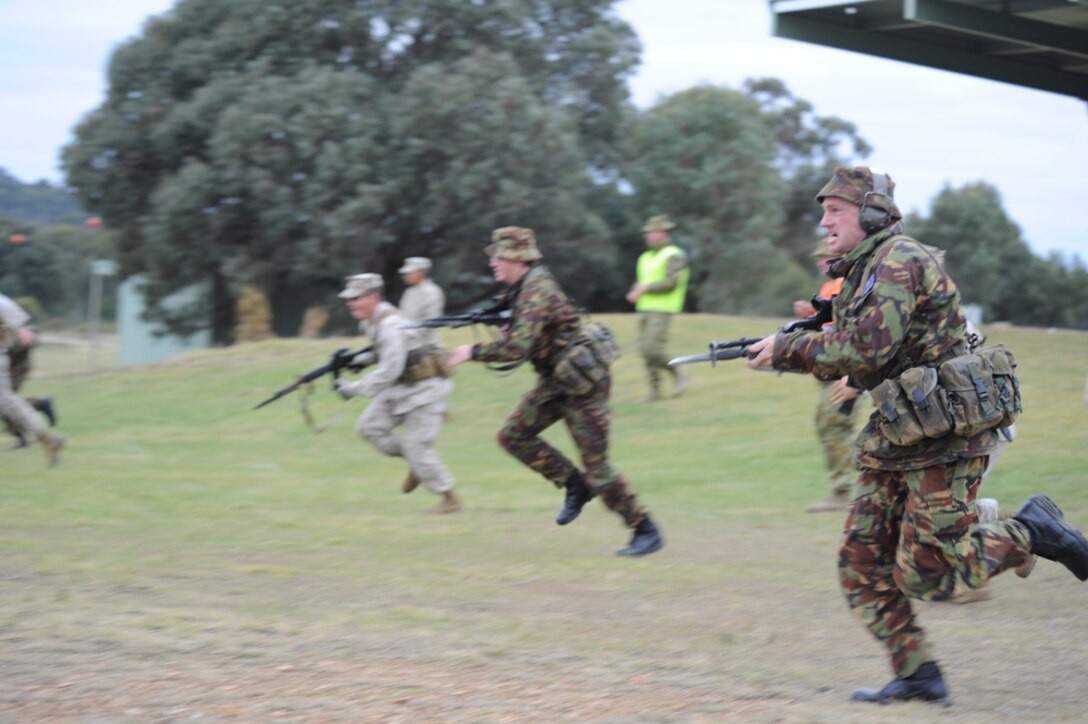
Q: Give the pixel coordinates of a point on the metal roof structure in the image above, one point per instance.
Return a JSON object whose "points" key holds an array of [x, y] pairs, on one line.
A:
{"points": [[1041, 44]]}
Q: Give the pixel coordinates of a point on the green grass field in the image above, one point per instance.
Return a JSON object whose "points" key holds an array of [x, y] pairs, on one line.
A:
{"points": [[193, 558]]}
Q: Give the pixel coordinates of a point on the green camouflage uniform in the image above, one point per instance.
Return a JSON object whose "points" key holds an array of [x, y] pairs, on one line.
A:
{"points": [[544, 323], [835, 430], [909, 531]]}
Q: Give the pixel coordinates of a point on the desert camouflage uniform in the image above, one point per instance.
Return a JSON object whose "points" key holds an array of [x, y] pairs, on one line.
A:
{"points": [[545, 322], [418, 406], [14, 409], [423, 301], [910, 528]]}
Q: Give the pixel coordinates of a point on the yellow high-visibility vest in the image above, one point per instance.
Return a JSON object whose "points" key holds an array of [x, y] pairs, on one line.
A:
{"points": [[653, 266]]}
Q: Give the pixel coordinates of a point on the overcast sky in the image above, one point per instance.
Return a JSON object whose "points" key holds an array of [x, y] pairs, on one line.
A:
{"points": [[929, 128]]}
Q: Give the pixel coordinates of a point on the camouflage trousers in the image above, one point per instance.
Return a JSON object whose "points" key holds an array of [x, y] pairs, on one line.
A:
{"points": [[587, 417], [14, 409], [835, 431], [915, 534], [653, 336]]}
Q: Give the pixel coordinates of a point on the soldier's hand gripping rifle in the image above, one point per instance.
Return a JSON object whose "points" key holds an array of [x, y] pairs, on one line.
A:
{"points": [[737, 348], [496, 314], [342, 359]]}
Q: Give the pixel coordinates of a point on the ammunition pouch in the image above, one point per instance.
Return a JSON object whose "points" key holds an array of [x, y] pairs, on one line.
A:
{"points": [[586, 361], [963, 396], [425, 363]]}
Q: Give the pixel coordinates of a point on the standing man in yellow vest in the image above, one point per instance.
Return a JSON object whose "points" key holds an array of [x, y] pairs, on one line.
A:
{"points": [[658, 294]]}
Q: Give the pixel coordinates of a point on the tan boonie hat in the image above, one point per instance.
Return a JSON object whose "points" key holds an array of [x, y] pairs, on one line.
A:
{"points": [[658, 223], [361, 284], [415, 263], [513, 243]]}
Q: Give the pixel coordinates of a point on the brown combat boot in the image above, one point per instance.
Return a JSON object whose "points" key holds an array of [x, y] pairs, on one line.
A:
{"points": [[410, 483], [837, 501], [450, 503], [52, 444]]}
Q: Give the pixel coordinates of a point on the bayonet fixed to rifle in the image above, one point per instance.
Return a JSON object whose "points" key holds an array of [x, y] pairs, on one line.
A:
{"points": [[737, 348], [496, 314], [341, 359]]}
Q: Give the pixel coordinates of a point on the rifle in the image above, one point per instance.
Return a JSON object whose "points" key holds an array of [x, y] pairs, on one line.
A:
{"points": [[497, 314], [341, 360], [736, 348]]}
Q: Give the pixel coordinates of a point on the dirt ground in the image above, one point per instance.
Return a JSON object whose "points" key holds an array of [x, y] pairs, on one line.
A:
{"points": [[238, 639]]}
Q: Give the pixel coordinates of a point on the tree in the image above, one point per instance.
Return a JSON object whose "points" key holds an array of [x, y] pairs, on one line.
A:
{"points": [[706, 157], [287, 144], [809, 149]]}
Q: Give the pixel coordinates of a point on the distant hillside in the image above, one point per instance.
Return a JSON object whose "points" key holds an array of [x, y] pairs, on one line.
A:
{"points": [[39, 202]]}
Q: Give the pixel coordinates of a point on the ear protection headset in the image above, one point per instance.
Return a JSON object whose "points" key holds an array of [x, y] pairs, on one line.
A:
{"points": [[874, 218]]}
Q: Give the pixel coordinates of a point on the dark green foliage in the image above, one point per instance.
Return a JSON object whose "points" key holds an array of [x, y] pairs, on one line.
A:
{"points": [[289, 144], [38, 202]]}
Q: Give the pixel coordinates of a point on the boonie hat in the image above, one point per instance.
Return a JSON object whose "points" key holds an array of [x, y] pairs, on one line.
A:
{"points": [[415, 263], [360, 284], [513, 243], [658, 223]]}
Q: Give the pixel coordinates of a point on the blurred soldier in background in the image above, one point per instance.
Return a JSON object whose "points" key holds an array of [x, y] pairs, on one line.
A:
{"points": [[422, 298], [658, 293], [544, 327], [407, 386], [24, 423], [834, 420]]}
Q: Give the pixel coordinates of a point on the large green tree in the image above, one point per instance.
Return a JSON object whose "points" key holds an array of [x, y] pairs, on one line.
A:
{"points": [[286, 144]]}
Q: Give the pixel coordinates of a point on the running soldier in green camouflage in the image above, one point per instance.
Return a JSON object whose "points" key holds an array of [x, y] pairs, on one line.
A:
{"points": [[545, 323], [912, 528]]}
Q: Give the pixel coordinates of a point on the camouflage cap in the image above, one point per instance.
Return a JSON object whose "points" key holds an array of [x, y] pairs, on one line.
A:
{"points": [[853, 184], [658, 223], [415, 263], [360, 284], [513, 243]]}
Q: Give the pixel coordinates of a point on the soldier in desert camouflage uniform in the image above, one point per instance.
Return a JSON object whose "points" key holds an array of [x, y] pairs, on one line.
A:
{"points": [[405, 387], [14, 333], [422, 298], [545, 323], [912, 528]]}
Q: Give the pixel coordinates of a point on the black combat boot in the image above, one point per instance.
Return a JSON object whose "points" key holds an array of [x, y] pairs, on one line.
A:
{"points": [[578, 494], [646, 540], [925, 684], [1053, 538]]}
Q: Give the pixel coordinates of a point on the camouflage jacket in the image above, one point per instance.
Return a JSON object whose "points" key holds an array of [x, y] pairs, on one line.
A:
{"points": [[545, 322], [897, 309], [423, 301]]}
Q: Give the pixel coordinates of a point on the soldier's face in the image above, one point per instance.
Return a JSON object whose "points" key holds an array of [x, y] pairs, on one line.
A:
{"points": [[413, 277], [654, 239], [840, 219], [506, 271], [363, 307]]}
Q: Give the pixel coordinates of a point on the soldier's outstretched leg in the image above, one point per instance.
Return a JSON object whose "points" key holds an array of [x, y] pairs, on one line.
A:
{"points": [[1053, 538]]}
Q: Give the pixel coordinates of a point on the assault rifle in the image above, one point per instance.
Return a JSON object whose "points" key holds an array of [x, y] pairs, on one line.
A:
{"points": [[737, 348], [497, 314], [342, 359]]}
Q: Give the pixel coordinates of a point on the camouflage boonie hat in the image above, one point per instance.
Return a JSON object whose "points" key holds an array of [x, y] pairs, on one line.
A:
{"points": [[360, 284], [853, 183], [513, 243], [658, 223], [415, 263], [823, 249]]}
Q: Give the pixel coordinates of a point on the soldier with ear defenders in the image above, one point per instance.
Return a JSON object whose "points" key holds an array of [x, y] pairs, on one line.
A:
{"points": [[912, 530]]}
